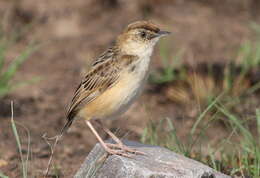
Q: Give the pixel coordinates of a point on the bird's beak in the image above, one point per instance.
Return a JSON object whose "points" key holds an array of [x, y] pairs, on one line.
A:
{"points": [[160, 34], [163, 33]]}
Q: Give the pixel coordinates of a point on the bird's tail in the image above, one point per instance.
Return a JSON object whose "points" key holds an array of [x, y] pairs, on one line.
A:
{"points": [[70, 119], [66, 127]]}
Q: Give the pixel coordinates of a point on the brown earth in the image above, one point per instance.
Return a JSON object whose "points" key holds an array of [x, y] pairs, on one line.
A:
{"points": [[70, 34]]}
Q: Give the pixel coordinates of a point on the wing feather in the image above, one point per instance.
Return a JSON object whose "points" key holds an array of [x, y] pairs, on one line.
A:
{"points": [[102, 76], [95, 85]]}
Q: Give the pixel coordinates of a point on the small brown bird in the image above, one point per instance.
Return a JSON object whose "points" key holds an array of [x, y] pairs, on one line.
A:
{"points": [[116, 78]]}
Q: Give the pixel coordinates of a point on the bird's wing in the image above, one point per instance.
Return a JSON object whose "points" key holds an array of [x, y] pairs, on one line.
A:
{"points": [[108, 54], [102, 76], [93, 84]]}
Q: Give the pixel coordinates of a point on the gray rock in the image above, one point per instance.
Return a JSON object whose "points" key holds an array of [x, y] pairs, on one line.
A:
{"points": [[158, 163]]}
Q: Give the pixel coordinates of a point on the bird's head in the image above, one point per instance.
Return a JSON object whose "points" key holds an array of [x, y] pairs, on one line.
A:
{"points": [[139, 38]]}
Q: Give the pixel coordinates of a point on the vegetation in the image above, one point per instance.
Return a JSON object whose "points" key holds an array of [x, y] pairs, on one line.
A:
{"points": [[169, 67], [221, 95], [8, 71], [19, 146], [237, 154], [8, 84]]}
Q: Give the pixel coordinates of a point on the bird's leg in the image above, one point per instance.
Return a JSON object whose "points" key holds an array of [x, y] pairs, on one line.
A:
{"points": [[106, 146], [113, 136], [120, 144]]}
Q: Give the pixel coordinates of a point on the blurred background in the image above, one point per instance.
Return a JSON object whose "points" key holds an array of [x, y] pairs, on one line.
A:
{"points": [[202, 98]]}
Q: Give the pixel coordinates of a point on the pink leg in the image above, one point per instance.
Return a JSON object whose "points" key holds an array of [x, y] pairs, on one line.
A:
{"points": [[120, 144], [106, 146]]}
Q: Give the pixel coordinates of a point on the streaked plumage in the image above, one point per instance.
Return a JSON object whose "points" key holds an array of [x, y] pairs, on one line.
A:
{"points": [[116, 78]]}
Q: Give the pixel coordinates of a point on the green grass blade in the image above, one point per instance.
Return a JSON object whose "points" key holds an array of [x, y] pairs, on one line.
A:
{"points": [[144, 135], [173, 135], [257, 112], [204, 113], [2, 55], [18, 142], [234, 120], [12, 69], [253, 89], [28, 146], [193, 141]]}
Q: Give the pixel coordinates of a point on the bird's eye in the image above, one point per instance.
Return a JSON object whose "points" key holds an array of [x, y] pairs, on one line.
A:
{"points": [[143, 34]]}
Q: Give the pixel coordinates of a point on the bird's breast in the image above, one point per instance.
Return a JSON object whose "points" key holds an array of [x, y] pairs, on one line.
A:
{"points": [[118, 98], [129, 86]]}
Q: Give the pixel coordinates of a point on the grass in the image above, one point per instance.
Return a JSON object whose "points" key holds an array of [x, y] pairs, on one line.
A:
{"points": [[169, 66], [8, 85], [220, 96], [184, 83], [237, 154], [248, 147], [8, 71], [249, 52], [19, 146]]}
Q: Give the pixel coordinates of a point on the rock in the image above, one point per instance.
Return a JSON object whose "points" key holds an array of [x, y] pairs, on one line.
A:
{"points": [[158, 163]]}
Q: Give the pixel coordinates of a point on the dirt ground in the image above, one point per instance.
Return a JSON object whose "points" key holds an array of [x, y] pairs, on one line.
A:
{"points": [[71, 34]]}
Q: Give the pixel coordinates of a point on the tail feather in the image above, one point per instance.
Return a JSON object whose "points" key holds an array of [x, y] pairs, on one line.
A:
{"points": [[66, 127], [70, 118]]}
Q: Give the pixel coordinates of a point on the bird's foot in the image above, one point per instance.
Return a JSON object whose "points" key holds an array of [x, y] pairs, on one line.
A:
{"points": [[123, 149]]}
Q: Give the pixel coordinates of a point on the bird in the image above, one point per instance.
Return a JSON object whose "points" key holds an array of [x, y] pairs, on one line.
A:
{"points": [[115, 79]]}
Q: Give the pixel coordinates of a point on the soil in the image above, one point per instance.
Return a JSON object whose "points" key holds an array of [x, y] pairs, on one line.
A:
{"points": [[70, 35]]}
